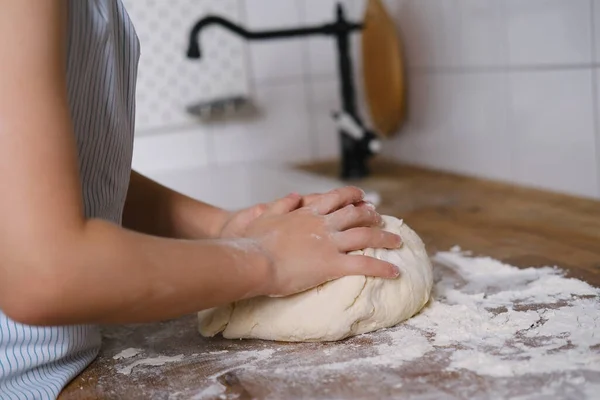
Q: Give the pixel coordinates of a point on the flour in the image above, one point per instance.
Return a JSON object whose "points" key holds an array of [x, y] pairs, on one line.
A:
{"points": [[127, 353], [509, 321], [493, 331], [211, 392], [488, 319], [214, 353], [153, 362]]}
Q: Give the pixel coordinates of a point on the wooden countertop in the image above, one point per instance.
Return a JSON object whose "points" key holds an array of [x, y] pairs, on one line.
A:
{"points": [[519, 226]]}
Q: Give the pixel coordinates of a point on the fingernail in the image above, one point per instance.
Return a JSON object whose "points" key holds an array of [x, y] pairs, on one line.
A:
{"points": [[399, 242], [396, 270], [369, 205]]}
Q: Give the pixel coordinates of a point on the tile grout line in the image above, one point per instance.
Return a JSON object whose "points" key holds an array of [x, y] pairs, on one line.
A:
{"points": [[308, 90], [509, 98], [251, 85], [439, 70], [596, 121], [501, 68]]}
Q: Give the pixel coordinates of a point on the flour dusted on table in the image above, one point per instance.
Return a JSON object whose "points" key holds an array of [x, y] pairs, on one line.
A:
{"points": [[493, 330], [507, 321]]}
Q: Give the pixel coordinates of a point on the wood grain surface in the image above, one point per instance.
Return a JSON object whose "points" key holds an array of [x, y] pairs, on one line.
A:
{"points": [[519, 226]]}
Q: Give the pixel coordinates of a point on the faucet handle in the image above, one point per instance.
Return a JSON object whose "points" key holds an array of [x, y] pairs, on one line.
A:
{"points": [[353, 128], [375, 146], [349, 125]]}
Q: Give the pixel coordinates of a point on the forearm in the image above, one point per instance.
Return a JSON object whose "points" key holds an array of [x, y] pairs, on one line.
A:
{"points": [[154, 278], [154, 209], [110, 275]]}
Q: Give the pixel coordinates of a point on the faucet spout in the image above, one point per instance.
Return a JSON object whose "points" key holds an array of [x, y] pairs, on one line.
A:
{"points": [[357, 142], [195, 52]]}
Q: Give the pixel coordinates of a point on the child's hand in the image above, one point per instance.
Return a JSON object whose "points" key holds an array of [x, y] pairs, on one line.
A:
{"points": [[308, 246], [236, 222]]}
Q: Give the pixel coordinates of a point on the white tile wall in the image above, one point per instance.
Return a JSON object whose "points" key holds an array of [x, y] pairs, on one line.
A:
{"points": [[322, 59], [503, 89], [324, 100], [483, 39], [554, 32], [277, 59], [478, 126], [595, 77], [430, 30], [596, 29], [458, 121], [279, 134], [553, 128], [180, 148]]}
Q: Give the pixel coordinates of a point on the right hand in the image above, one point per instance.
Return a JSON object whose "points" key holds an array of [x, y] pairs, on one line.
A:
{"points": [[307, 246]]}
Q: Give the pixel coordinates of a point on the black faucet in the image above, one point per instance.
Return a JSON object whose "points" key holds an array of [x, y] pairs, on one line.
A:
{"points": [[358, 145]]}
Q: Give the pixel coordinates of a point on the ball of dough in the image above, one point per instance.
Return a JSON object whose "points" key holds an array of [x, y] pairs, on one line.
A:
{"points": [[338, 309]]}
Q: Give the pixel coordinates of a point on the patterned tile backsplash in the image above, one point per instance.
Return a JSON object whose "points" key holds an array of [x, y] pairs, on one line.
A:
{"points": [[504, 90], [168, 82]]}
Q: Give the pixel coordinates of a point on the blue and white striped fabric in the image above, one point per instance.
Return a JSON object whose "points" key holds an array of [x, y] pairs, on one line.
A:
{"points": [[103, 54]]}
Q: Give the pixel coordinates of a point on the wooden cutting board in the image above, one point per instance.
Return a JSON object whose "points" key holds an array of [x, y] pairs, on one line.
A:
{"points": [[383, 67]]}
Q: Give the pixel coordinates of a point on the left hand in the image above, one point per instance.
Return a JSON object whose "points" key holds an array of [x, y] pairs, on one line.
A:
{"points": [[235, 223]]}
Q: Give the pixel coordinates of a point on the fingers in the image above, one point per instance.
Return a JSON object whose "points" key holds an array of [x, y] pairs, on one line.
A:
{"points": [[368, 266], [258, 210], [362, 238], [309, 199], [285, 205], [353, 216], [336, 199]]}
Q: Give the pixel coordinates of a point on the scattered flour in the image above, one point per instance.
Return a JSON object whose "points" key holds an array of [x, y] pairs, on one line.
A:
{"points": [[507, 321], [156, 361], [491, 331], [127, 353], [493, 320], [214, 353], [211, 392]]}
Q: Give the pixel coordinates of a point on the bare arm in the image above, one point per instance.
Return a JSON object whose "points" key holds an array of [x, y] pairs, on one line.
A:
{"points": [[154, 209], [56, 267]]}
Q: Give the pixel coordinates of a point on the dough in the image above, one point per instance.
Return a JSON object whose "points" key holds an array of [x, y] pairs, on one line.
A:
{"points": [[338, 309]]}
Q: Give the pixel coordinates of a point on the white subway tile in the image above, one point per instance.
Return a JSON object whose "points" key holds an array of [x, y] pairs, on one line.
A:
{"points": [[483, 38], [275, 59], [423, 141], [280, 133], [596, 29], [597, 126], [171, 149], [430, 31], [452, 33], [322, 50], [325, 99], [458, 122], [549, 32], [481, 141], [552, 123]]}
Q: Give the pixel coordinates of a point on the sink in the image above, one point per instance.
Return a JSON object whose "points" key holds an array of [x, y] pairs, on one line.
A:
{"points": [[242, 185]]}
